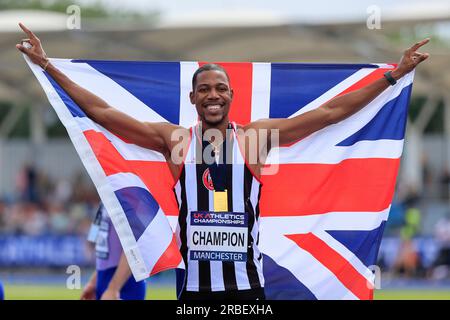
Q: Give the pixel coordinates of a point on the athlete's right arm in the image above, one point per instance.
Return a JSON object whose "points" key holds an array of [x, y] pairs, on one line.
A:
{"points": [[120, 277], [90, 288], [154, 136]]}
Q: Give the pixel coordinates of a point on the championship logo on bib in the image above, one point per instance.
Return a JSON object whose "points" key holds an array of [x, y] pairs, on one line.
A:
{"points": [[207, 181]]}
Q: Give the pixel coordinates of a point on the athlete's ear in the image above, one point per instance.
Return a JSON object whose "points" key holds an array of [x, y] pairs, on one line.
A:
{"points": [[231, 93], [191, 97]]}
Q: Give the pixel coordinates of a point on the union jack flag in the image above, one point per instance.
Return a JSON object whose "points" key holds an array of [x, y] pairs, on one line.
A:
{"points": [[323, 212]]}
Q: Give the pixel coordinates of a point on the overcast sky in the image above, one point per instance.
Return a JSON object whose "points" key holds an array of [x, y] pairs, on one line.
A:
{"points": [[288, 8], [303, 11], [286, 11]]}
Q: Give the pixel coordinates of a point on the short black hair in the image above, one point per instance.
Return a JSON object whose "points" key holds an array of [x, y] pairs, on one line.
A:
{"points": [[207, 67]]}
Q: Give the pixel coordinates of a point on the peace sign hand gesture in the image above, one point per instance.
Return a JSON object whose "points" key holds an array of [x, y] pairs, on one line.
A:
{"points": [[35, 51], [411, 58]]}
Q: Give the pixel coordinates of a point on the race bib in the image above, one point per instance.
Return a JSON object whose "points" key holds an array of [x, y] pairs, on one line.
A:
{"points": [[218, 236], [101, 245]]}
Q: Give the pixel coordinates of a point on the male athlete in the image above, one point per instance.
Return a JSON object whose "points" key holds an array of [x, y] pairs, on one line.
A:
{"points": [[218, 200]]}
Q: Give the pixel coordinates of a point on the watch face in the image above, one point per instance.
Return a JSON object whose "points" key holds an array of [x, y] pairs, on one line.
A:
{"points": [[390, 78]]}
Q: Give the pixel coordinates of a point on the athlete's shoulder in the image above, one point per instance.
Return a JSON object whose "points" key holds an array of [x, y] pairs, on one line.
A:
{"points": [[258, 124], [168, 127], [173, 132]]}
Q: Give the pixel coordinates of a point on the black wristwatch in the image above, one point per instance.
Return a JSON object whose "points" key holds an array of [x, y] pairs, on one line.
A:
{"points": [[390, 78]]}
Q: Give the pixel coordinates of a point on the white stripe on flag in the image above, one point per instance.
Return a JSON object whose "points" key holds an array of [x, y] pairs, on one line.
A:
{"points": [[311, 152], [173, 221], [128, 151], [188, 113], [328, 221], [155, 239], [107, 89], [124, 180], [261, 90]]}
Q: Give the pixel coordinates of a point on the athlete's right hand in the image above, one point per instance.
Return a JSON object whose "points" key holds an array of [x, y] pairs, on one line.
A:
{"points": [[110, 294], [35, 53], [88, 292]]}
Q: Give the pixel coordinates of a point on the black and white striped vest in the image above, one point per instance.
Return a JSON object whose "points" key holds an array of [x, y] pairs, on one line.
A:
{"points": [[194, 193]]}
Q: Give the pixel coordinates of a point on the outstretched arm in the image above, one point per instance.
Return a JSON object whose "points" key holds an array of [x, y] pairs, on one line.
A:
{"points": [[149, 135], [340, 108]]}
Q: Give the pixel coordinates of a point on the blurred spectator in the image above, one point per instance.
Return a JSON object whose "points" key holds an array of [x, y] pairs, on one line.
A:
{"points": [[411, 226], [445, 184], [63, 191], [408, 260], [35, 221], [441, 266], [43, 206], [396, 218], [3, 221], [59, 220], [26, 183]]}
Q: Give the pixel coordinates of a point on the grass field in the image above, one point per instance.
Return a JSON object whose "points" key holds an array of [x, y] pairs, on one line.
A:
{"points": [[38, 292], [26, 292]]}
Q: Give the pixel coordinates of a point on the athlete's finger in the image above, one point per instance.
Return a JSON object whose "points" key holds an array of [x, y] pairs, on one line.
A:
{"points": [[423, 57], [419, 44], [27, 31], [22, 48]]}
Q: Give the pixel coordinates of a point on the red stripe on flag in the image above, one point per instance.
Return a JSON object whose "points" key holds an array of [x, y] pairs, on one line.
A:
{"points": [[154, 174], [338, 265], [241, 78], [352, 185], [371, 77], [170, 259], [122, 138]]}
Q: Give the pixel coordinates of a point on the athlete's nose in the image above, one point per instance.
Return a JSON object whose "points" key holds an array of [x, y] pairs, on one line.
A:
{"points": [[213, 94]]}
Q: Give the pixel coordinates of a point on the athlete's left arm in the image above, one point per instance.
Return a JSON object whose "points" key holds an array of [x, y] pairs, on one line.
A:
{"points": [[120, 277], [339, 108]]}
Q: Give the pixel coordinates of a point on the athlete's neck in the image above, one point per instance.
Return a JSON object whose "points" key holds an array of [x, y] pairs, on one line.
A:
{"points": [[222, 127]]}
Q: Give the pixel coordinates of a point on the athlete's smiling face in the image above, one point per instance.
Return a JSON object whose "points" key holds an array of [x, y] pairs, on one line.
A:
{"points": [[212, 97]]}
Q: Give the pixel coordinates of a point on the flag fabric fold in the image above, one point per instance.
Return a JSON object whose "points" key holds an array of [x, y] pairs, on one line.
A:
{"points": [[322, 211]]}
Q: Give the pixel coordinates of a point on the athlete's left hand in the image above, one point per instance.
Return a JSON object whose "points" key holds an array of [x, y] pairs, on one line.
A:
{"points": [[411, 58]]}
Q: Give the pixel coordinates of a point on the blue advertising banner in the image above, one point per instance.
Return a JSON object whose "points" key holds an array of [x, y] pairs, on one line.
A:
{"points": [[45, 251]]}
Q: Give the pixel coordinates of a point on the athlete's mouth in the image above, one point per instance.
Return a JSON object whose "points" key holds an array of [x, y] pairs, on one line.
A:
{"points": [[213, 107]]}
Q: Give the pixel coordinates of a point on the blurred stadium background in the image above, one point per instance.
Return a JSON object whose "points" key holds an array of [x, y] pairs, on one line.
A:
{"points": [[47, 201]]}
